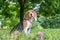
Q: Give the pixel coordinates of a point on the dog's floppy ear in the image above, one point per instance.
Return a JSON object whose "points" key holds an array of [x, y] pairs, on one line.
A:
{"points": [[26, 16]]}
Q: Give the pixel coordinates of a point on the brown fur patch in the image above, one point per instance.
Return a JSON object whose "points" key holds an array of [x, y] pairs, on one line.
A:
{"points": [[26, 16]]}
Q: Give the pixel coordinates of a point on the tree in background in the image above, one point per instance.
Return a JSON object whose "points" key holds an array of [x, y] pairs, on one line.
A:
{"points": [[9, 12]]}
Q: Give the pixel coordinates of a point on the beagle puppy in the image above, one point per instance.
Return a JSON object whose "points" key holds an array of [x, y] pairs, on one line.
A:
{"points": [[27, 22]]}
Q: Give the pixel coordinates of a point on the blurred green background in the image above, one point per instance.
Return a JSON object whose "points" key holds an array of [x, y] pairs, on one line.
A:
{"points": [[48, 18], [48, 14]]}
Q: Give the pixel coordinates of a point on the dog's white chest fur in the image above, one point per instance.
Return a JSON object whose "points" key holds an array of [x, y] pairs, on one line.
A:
{"points": [[27, 29]]}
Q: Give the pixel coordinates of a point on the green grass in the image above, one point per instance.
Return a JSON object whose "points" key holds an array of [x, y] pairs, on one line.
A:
{"points": [[49, 34]]}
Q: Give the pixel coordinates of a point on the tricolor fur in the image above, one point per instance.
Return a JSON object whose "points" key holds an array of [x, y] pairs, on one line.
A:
{"points": [[27, 22], [26, 25]]}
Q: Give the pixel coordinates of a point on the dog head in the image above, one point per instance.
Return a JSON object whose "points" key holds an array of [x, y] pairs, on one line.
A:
{"points": [[31, 14]]}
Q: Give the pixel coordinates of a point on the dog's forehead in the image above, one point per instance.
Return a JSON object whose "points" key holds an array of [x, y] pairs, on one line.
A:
{"points": [[30, 12]]}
